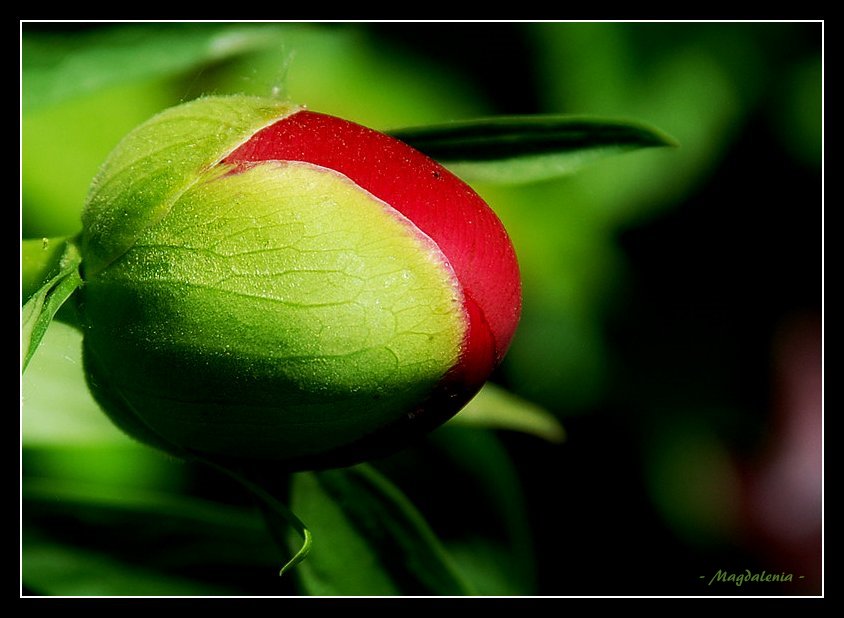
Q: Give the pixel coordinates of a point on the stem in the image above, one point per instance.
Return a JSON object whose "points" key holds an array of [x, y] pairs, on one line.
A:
{"points": [[266, 497]]}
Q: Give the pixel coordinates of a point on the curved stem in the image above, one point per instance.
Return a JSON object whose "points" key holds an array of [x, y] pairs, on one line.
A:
{"points": [[277, 506]]}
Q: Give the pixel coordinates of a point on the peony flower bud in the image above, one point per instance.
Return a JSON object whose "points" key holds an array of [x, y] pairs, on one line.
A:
{"points": [[266, 282]]}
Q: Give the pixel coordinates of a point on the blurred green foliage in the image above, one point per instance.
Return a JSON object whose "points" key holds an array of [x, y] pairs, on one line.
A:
{"points": [[702, 83]]}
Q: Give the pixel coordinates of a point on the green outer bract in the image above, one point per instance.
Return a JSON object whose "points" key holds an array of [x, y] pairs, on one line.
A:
{"points": [[156, 162], [277, 311]]}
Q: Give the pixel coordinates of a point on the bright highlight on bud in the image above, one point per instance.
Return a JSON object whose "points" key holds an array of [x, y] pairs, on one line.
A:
{"points": [[270, 283]]}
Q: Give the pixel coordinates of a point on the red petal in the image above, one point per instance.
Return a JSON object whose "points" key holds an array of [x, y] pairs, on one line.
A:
{"points": [[441, 205]]}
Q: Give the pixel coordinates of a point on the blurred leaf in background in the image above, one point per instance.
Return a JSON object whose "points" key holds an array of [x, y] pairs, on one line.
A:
{"points": [[573, 268], [84, 89], [82, 93]]}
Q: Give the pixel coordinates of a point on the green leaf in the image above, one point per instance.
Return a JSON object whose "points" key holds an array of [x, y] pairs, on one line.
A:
{"points": [[38, 311], [468, 490], [59, 67], [369, 539], [60, 569], [520, 149], [81, 538], [495, 408], [134, 507], [58, 409]]}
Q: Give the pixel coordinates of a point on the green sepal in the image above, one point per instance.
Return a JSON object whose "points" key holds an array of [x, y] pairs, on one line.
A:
{"points": [[158, 161], [276, 312], [496, 408], [38, 311]]}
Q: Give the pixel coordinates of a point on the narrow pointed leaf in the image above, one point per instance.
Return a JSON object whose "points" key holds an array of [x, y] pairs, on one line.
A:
{"points": [[369, 539], [39, 310], [496, 408], [520, 149]]}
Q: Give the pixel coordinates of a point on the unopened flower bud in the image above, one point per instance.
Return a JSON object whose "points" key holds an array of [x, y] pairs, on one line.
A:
{"points": [[266, 282]]}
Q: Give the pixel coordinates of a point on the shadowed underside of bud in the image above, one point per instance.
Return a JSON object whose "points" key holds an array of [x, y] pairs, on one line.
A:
{"points": [[280, 284]]}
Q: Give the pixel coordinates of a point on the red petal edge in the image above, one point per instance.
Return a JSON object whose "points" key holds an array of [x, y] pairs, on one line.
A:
{"points": [[441, 205]]}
